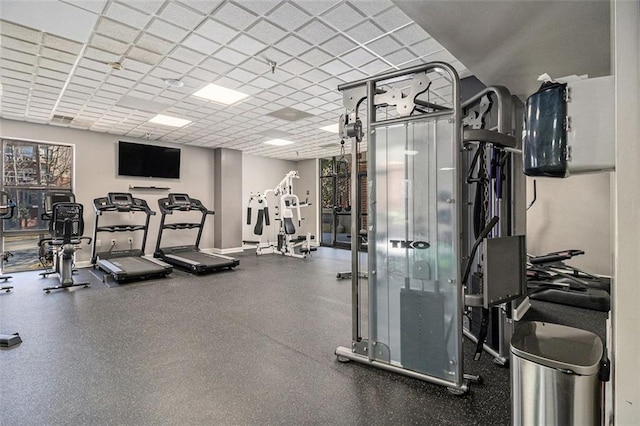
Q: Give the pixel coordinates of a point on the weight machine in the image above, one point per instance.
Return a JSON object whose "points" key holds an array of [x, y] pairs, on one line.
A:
{"points": [[66, 227], [286, 212], [437, 250], [7, 209]]}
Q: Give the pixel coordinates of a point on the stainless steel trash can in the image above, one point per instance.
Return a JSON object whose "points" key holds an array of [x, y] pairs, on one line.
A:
{"points": [[554, 375]]}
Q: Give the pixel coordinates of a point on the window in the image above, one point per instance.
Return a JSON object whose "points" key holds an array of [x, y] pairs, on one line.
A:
{"points": [[29, 170]]}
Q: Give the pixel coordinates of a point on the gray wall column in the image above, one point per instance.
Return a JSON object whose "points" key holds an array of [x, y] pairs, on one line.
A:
{"points": [[228, 198]]}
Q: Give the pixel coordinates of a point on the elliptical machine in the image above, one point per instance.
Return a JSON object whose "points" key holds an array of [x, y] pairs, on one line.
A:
{"points": [[7, 208], [66, 226]]}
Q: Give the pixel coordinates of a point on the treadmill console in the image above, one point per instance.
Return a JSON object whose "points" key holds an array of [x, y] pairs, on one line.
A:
{"points": [[51, 198], [120, 199], [181, 200]]}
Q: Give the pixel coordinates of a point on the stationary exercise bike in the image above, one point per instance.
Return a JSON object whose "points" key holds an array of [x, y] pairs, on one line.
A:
{"points": [[7, 209], [66, 226]]}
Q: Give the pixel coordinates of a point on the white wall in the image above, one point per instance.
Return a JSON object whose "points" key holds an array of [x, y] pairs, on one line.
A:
{"points": [[626, 296], [572, 213], [95, 175]]}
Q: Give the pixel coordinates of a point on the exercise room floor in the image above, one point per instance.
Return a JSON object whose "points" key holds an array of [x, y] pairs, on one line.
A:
{"points": [[249, 346]]}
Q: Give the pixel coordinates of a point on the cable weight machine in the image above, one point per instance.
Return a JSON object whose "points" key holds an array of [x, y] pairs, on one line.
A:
{"points": [[423, 249]]}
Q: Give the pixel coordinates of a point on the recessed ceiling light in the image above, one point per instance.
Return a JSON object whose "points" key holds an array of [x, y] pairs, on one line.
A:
{"points": [[220, 94], [169, 121], [278, 142], [173, 82], [333, 128]]}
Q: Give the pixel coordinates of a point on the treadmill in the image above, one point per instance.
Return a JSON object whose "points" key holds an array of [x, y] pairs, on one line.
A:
{"points": [[188, 257], [131, 264]]}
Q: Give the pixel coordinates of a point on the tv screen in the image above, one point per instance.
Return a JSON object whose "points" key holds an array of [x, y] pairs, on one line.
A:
{"points": [[135, 159]]}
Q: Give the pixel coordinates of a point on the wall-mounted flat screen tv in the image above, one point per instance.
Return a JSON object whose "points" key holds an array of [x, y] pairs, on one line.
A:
{"points": [[135, 159]]}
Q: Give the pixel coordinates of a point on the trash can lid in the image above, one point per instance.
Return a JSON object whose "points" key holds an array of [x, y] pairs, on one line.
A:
{"points": [[558, 346]]}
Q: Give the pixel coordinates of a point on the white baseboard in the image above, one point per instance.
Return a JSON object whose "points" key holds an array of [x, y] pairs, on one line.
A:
{"points": [[83, 264], [223, 251]]}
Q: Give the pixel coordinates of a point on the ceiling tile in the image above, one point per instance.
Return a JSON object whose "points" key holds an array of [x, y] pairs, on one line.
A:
{"points": [[216, 66], [343, 16], [17, 66], [55, 65], [62, 44], [365, 31], [338, 45], [335, 67], [384, 45], [400, 57], [166, 30], [289, 16], [203, 6], [293, 45], [123, 14], [375, 67], [315, 75], [20, 32], [316, 32], [154, 44], [371, 7], [263, 83], [231, 56], [12, 75], [113, 29], [108, 44], [187, 56], [358, 57], [140, 67], [426, 47], [316, 57], [235, 16], [19, 45], [295, 66], [266, 32], [241, 75], [216, 31], [391, 19], [56, 75], [181, 16], [353, 75], [298, 83], [17, 56], [410, 34], [143, 55], [201, 44], [316, 7], [96, 55], [247, 45]]}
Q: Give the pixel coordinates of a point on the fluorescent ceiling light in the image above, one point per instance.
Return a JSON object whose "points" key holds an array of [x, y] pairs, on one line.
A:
{"points": [[411, 153], [219, 94], [278, 142], [333, 128], [169, 121]]}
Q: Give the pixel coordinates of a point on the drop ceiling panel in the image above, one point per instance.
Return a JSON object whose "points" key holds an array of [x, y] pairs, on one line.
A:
{"points": [[315, 45], [289, 16]]}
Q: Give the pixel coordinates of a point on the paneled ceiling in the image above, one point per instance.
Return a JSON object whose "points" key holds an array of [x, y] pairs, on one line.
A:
{"points": [[54, 66]]}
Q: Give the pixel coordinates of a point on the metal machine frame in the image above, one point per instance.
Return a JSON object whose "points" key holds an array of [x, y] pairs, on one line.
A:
{"points": [[66, 226], [125, 265], [188, 257], [408, 91], [287, 245], [7, 210]]}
